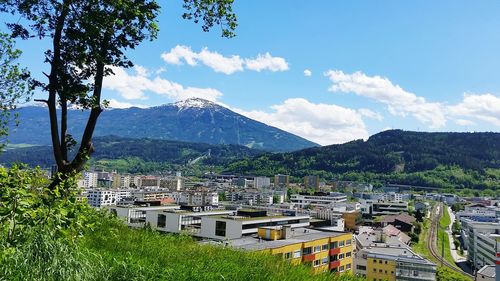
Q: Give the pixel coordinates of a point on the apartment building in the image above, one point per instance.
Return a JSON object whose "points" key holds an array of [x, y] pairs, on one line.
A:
{"points": [[261, 182], [319, 199], [379, 208], [247, 222], [89, 179], [385, 262], [323, 251], [311, 182], [101, 197], [281, 180], [480, 240]]}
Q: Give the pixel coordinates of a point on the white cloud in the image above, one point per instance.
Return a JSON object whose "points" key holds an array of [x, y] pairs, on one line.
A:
{"points": [[219, 63], [179, 53], [322, 123], [399, 102], [464, 122], [268, 62], [113, 103], [307, 73], [485, 107], [134, 87], [370, 114]]}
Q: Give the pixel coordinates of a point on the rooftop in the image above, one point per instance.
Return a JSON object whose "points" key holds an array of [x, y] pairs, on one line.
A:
{"points": [[298, 235], [488, 270]]}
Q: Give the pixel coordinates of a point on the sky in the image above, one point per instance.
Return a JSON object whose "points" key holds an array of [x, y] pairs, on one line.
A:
{"points": [[328, 71]]}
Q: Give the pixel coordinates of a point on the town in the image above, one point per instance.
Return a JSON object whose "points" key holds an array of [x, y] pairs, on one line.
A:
{"points": [[390, 233]]}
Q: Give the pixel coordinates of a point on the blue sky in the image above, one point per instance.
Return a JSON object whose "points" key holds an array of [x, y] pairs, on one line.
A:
{"points": [[414, 65]]}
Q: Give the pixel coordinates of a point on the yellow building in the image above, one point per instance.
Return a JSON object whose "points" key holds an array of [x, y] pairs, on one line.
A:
{"points": [[323, 251], [390, 263]]}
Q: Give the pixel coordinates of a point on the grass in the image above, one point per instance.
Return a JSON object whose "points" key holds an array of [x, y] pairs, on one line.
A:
{"points": [[443, 237], [421, 247], [112, 251], [150, 255]]}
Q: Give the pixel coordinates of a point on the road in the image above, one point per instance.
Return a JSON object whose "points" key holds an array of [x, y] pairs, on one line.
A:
{"points": [[436, 214]]}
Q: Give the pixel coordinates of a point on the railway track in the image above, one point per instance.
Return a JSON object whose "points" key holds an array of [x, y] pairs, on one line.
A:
{"points": [[432, 238]]}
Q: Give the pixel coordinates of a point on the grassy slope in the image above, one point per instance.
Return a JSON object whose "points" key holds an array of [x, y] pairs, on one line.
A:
{"points": [[149, 255], [444, 222]]}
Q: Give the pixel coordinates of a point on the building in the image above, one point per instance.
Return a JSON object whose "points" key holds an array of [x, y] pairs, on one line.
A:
{"points": [[101, 197], [261, 182], [486, 273], [89, 179], [281, 180], [391, 263], [311, 182], [379, 208], [403, 222], [323, 251], [246, 222], [149, 182], [319, 199], [480, 240]]}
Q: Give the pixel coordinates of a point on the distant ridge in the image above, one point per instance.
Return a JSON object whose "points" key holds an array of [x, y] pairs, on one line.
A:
{"points": [[192, 120]]}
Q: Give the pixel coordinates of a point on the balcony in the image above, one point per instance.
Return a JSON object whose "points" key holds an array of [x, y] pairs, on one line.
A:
{"points": [[309, 257], [334, 251], [334, 264]]}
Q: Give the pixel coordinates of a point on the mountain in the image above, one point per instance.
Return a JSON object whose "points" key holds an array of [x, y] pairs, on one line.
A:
{"points": [[192, 120], [138, 155], [433, 159]]}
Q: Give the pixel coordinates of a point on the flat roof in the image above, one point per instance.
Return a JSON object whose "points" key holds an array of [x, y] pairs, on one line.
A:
{"points": [[488, 270], [298, 235], [396, 253]]}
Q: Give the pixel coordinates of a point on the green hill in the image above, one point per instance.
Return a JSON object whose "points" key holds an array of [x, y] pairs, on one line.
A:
{"points": [[430, 159], [137, 155]]}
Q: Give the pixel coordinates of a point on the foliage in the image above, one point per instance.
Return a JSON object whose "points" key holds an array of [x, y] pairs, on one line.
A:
{"points": [[446, 274], [26, 202], [457, 207], [419, 216], [15, 84]]}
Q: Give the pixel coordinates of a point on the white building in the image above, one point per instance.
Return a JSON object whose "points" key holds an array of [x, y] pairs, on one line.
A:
{"points": [[317, 200], [89, 179], [261, 182], [480, 241], [101, 197]]}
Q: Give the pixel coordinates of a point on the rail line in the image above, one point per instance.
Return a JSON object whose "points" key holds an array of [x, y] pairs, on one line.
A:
{"points": [[432, 241]]}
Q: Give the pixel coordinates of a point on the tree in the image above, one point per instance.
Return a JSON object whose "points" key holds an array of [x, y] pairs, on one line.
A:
{"points": [[419, 216], [15, 82], [89, 39]]}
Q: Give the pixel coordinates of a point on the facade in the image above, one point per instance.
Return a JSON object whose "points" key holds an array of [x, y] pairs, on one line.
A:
{"points": [[101, 197], [281, 180], [323, 251], [480, 240], [379, 208], [261, 182], [311, 182], [234, 227], [392, 263], [317, 200], [89, 179]]}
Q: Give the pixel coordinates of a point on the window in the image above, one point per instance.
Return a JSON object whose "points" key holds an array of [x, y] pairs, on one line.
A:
{"points": [[297, 254], [341, 268], [380, 261], [374, 270], [288, 256], [348, 266], [334, 245], [348, 254], [162, 221], [324, 247], [360, 267], [380, 271], [220, 228], [316, 263], [307, 251], [385, 262], [348, 242], [324, 261], [341, 256], [334, 258], [317, 249], [341, 244]]}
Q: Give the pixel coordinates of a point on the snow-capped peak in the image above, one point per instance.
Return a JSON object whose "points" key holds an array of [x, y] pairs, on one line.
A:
{"points": [[195, 103]]}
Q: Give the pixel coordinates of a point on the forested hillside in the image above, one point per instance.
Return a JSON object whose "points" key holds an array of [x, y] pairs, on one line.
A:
{"points": [[434, 159], [138, 155]]}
